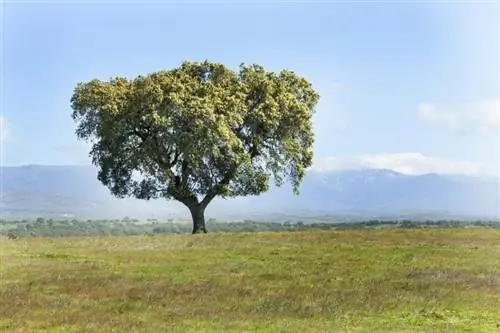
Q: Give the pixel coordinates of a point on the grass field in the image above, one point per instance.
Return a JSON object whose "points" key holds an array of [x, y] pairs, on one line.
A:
{"points": [[393, 280]]}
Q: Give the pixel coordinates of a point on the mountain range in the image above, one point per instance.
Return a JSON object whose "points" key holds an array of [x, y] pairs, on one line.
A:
{"points": [[74, 192]]}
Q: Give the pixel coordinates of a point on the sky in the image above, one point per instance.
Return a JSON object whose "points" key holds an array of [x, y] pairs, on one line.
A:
{"points": [[409, 86]]}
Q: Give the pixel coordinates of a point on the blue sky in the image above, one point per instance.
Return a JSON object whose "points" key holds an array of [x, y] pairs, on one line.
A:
{"points": [[409, 86]]}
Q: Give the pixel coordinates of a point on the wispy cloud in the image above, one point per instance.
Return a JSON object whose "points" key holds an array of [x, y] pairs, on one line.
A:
{"points": [[407, 163], [474, 118]]}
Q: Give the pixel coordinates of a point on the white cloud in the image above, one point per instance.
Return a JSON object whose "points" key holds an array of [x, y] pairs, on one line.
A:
{"points": [[407, 163], [4, 129], [480, 118]]}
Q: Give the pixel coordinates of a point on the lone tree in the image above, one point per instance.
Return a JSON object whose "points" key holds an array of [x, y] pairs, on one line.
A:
{"points": [[197, 131]]}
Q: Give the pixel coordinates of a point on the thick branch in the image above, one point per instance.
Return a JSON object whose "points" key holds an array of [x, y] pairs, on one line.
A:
{"points": [[180, 188], [175, 159], [254, 151], [214, 191], [177, 187], [188, 200], [184, 172], [160, 156]]}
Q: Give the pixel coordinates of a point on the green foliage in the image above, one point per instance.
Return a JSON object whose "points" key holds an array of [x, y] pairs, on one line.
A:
{"points": [[64, 228], [198, 131]]}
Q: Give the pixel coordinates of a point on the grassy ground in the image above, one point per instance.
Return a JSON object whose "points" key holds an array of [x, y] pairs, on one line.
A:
{"points": [[441, 280]]}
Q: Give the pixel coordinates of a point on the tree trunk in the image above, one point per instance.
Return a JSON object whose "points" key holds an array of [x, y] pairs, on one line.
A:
{"points": [[198, 215]]}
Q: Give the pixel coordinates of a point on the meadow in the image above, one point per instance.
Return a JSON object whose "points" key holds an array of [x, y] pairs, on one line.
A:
{"points": [[368, 280]]}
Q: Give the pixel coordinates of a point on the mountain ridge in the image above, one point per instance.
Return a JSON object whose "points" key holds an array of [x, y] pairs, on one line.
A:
{"points": [[73, 190]]}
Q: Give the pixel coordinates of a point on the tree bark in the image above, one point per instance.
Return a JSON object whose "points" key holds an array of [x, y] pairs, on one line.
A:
{"points": [[198, 215]]}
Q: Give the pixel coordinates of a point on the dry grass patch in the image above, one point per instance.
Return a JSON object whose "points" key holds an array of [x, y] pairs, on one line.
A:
{"points": [[325, 281], [489, 281]]}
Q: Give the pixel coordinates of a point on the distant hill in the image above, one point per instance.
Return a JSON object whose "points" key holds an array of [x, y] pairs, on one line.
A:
{"points": [[74, 191], [376, 192]]}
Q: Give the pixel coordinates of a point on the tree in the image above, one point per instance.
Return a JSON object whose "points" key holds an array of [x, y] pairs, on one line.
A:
{"points": [[197, 131]]}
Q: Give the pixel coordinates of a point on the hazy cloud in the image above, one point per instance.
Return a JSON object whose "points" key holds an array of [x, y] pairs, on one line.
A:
{"points": [[4, 129], [77, 153], [407, 163], [479, 118]]}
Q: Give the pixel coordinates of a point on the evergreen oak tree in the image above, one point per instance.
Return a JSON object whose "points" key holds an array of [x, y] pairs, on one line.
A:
{"points": [[197, 131]]}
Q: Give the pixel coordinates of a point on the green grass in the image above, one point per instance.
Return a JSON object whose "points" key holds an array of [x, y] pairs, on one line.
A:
{"points": [[391, 280]]}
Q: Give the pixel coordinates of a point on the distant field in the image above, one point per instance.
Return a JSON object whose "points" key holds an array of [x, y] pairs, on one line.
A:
{"points": [[385, 280]]}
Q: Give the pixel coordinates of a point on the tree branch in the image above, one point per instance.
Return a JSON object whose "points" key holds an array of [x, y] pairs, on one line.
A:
{"points": [[176, 188], [184, 172], [214, 191], [176, 158]]}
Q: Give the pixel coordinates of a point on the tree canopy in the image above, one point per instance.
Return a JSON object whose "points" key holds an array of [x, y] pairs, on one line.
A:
{"points": [[197, 131]]}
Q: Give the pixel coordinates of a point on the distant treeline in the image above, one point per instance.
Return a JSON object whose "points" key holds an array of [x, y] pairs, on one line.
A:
{"points": [[66, 228]]}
